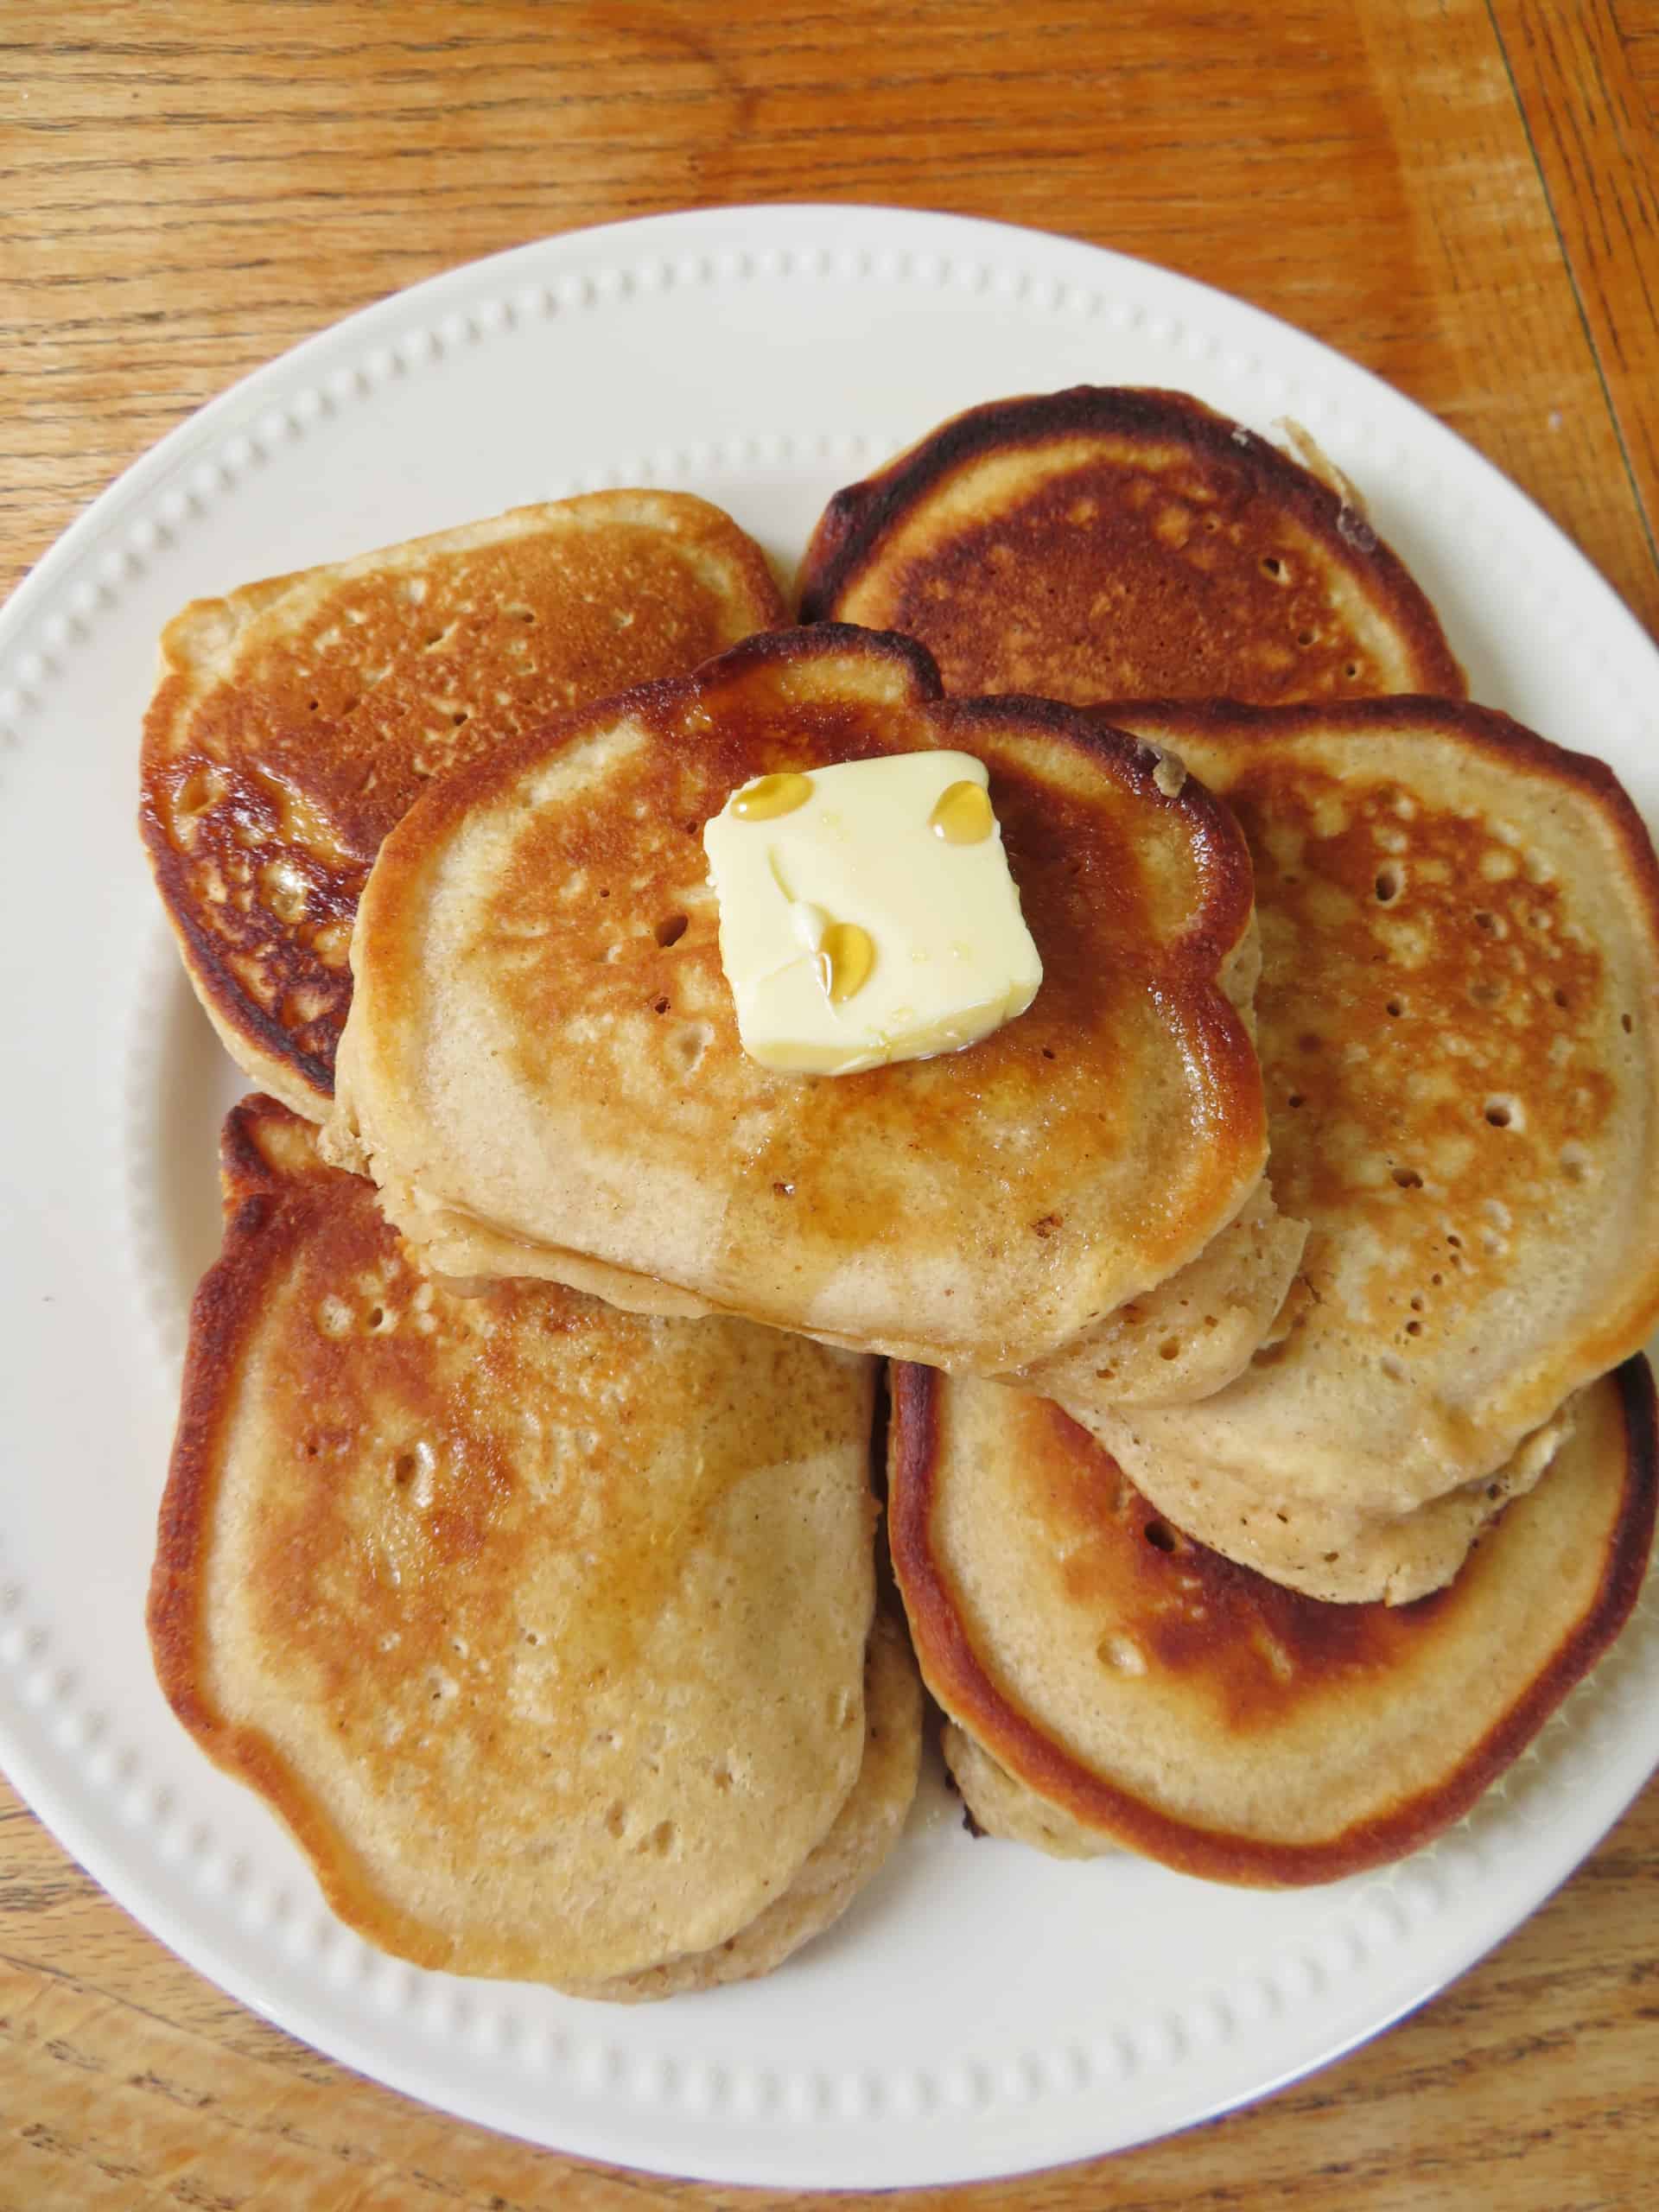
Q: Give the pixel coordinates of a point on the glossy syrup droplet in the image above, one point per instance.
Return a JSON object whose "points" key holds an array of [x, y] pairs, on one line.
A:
{"points": [[962, 816], [768, 797], [846, 956]]}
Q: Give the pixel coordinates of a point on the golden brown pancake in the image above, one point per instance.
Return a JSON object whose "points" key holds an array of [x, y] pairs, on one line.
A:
{"points": [[542, 1626], [1457, 1021], [860, 1839], [297, 720], [1117, 1684], [1117, 543], [543, 1072]]}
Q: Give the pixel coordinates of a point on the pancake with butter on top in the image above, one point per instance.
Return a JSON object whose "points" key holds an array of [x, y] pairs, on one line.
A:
{"points": [[544, 1073]]}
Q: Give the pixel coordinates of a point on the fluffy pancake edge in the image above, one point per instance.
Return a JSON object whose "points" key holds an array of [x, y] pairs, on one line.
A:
{"points": [[853, 1850]]}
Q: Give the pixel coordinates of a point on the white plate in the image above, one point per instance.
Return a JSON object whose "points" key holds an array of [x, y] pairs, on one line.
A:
{"points": [[981, 2010]]}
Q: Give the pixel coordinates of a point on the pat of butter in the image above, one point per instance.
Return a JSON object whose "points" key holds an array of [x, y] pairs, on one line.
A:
{"points": [[866, 913]]}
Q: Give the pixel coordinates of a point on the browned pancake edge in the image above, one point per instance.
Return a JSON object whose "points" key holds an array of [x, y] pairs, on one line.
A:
{"points": [[1263, 483], [222, 771], [958, 1677], [264, 1228]]}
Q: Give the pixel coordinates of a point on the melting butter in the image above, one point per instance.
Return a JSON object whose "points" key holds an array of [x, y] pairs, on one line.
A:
{"points": [[845, 959], [962, 816], [866, 913], [768, 797]]}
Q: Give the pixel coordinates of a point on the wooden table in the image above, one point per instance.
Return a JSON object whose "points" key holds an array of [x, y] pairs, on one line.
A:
{"points": [[1460, 193]]}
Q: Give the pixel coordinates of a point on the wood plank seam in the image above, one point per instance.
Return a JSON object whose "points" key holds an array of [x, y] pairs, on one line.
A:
{"points": [[1575, 274]]}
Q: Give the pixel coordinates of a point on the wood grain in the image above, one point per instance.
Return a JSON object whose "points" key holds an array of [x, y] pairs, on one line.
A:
{"points": [[1597, 150], [125, 2080], [1458, 196], [1636, 23]]}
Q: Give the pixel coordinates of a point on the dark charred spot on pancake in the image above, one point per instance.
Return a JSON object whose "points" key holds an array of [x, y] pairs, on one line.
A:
{"points": [[1104, 584], [1253, 1651], [268, 897]]}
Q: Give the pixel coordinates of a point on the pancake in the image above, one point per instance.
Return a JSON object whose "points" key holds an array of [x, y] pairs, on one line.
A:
{"points": [[542, 1626], [1114, 1684], [1193, 1333], [1322, 1546], [297, 719], [860, 1840], [1458, 1021], [1119, 543], [998, 1805], [542, 1068]]}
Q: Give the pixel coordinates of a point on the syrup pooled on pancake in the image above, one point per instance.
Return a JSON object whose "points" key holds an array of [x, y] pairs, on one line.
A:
{"points": [[1115, 1683], [1458, 1026], [542, 1626], [543, 1070], [298, 719], [1114, 544]]}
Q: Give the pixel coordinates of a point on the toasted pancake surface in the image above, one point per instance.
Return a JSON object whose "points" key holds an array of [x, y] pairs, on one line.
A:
{"points": [[1141, 1689], [543, 1048], [1458, 1026], [542, 1626], [297, 720], [1120, 543]]}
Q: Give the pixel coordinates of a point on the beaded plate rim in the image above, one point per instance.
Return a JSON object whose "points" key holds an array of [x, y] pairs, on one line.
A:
{"points": [[586, 2080]]}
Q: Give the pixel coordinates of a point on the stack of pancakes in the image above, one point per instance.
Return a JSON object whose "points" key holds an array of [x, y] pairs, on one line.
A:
{"points": [[1161, 1616], [542, 1069], [1257, 1486], [550, 1630]]}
